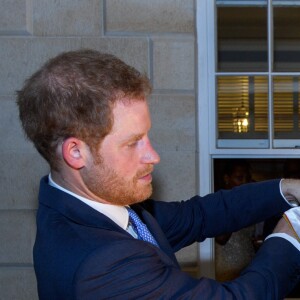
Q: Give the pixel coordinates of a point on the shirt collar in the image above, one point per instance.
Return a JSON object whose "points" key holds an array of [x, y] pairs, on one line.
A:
{"points": [[116, 213]]}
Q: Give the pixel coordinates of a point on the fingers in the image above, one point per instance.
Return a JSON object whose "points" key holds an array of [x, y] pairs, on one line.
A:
{"points": [[290, 189]]}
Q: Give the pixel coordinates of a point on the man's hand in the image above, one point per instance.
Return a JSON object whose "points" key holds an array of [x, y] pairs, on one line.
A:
{"points": [[290, 188]]}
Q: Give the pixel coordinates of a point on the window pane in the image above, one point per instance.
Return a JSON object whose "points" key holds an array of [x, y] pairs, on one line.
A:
{"points": [[286, 37], [242, 37], [286, 107], [242, 103]]}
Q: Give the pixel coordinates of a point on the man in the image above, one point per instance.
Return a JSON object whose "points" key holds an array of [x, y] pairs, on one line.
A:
{"points": [[87, 115]]}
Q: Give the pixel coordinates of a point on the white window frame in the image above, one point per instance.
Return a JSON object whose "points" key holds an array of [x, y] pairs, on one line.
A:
{"points": [[206, 119]]}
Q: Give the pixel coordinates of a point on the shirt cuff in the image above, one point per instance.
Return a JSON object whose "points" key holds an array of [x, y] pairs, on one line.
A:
{"points": [[292, 203], [286, 237]]}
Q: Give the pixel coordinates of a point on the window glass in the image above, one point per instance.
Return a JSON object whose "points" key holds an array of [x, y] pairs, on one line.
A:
{"points": [[242, 103], [242, 37], [286, 37], [286, 107]]}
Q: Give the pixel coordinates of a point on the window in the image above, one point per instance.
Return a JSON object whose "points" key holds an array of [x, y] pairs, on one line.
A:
{"points": [[248, 88], [257, 74]]}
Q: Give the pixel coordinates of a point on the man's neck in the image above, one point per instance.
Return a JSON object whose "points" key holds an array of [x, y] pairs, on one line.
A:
{"points": [[72, 181]]}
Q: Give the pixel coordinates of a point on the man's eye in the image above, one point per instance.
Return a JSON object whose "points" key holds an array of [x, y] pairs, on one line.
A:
{"points": [[132, 144]]}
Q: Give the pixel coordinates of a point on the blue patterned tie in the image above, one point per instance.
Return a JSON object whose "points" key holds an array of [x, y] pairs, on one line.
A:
{"points": [[140, 228]]}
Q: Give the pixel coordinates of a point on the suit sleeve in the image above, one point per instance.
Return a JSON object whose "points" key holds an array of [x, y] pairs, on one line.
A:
{"points": [[131, 270], [218, 213]]}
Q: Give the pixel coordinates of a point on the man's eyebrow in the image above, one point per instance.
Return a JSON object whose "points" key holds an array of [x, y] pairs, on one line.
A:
{"points": [[133, 137]]}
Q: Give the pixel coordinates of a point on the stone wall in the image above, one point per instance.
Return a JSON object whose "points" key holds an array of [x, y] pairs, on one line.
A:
{"points": [[156, 37]]}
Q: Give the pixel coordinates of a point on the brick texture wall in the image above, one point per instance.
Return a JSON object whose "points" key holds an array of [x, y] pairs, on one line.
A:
{"points": [[158, 38]]}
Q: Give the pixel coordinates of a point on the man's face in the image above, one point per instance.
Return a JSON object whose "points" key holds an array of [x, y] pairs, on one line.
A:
{"points": [[238, 177], [121, 172]]}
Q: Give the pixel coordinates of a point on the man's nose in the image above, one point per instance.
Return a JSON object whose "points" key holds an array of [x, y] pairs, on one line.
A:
{"points": [[151, 156]]}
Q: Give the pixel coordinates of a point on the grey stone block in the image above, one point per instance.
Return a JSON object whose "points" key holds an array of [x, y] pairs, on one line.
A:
{"points": [[67, 17], [173, 64], [12, 136], [17, 234], [15, 17], [20, 181], [174, 179], [42, 49], [14, 63], [22, 164], [154, 16], [173, 122], [18, 283], [133, 51], [20, 57]]}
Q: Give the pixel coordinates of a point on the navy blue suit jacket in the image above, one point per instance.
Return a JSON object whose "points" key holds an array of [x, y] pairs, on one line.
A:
{"points": [[81, 254]]}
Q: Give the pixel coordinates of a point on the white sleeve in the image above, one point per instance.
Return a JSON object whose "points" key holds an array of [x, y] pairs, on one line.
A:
{"points": [[287, 237], [292, 203]]}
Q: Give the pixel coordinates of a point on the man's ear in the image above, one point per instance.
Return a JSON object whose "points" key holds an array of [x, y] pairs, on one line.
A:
{"points": [[73, 152]]}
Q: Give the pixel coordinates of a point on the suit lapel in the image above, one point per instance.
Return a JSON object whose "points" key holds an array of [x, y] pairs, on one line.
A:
{"points": [[156, 231]]}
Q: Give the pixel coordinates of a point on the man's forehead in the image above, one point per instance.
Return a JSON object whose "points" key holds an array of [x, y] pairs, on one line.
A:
{"points": [[133, 118], [133, 109]]}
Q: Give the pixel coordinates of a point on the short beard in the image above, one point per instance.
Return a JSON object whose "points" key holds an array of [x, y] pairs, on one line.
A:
{"points": [[106, 184]]}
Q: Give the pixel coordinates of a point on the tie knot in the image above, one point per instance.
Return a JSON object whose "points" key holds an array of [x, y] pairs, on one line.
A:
{"points": [[133, 217], [140, 228]]}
